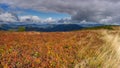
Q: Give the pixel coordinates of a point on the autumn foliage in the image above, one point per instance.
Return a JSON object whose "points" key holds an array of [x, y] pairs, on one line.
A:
{"points": [[48, 49]]}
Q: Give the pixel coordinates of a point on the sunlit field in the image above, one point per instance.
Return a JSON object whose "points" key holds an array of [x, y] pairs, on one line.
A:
{"points": [[74, 49]]}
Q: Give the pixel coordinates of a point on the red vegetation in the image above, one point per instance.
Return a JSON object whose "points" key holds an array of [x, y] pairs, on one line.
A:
{"points": [[47, 50]]}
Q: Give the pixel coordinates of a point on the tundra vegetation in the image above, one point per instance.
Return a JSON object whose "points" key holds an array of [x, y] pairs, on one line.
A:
{"points": [[74, 49]]}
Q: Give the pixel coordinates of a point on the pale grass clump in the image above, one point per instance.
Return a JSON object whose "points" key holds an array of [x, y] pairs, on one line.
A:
{"points": [[108, 56]]}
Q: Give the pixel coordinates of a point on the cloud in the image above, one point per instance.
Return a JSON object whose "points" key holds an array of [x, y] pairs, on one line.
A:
{"points": [[11, 17], [80, 10], [36, 19], [1, 10], [8, 17], [29, 18], [49, 20], [66, 20]]}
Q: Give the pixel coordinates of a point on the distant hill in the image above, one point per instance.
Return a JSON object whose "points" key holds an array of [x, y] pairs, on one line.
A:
{"points": [[54, 28], [47, 27]]}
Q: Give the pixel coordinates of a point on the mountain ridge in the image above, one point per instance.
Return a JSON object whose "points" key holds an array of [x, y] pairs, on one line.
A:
{"points": [[47, 27]]}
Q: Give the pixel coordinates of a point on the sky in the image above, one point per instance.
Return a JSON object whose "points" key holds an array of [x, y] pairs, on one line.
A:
{"points": [[29, 11], [100, 11]]}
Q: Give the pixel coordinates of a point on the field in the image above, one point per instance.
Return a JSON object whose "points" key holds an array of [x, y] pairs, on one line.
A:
{"points": [[74, 49]]}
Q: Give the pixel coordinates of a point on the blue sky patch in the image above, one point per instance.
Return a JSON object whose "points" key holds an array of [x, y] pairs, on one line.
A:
{"points": [[41, 14]]}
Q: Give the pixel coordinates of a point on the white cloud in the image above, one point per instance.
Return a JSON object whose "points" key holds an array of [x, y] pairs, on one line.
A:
{"points": [[107, 19], [30, 18], [36, 19], [8, 17], [49, 20]]}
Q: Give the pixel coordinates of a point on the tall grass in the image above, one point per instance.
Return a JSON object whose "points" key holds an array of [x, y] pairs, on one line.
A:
{"points": [[108, 56]]}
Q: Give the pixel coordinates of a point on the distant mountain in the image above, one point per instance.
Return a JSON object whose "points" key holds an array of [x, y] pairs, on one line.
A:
{"points": [[91, 25], [46, 27], [42, 27], [54, 28]]}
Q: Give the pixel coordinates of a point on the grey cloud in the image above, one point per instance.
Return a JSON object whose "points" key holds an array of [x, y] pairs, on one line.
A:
{"points": [[1, 10], [80, 10]]}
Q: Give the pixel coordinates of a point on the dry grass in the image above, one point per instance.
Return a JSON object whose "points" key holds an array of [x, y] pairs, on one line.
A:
{"points": [[78, 49], [108, 56]]}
